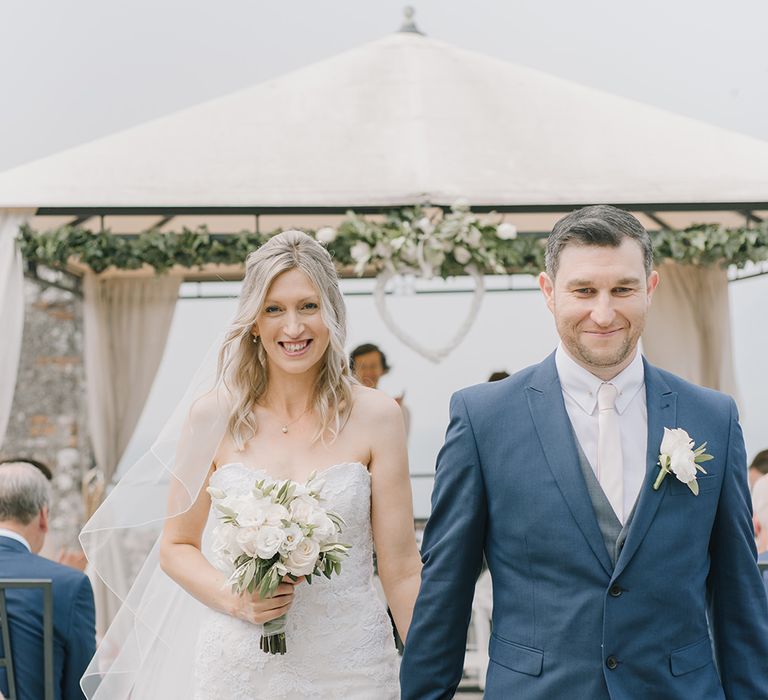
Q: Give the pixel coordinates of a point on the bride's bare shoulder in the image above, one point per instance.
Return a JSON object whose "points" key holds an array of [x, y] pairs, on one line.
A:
{"points": [[372, 404], [210, 407]]}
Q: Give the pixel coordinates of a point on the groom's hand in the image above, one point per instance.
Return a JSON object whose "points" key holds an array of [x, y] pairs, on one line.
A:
{"points": [[252, 608]]}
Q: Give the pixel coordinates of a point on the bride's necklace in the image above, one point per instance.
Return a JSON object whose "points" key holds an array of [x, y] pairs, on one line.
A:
{"points": [[284, 426]]}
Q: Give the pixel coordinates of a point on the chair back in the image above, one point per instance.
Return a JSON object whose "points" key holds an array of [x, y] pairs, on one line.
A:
{"points": [[6, 660]]}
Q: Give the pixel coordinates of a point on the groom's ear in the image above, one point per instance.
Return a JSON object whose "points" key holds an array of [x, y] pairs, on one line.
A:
{"points": [[652, 283], [547, 286]]}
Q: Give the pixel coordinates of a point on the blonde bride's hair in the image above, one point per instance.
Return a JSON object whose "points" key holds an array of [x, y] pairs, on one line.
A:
{"points": [[242, 364]]}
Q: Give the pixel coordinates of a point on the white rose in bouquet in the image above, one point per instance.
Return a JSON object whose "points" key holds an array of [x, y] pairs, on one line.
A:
{"points": [[251, 512], [323, 528], [302, 507], [265, 543], [246, 540], [293, 536], [274, 514], [302, 560]]}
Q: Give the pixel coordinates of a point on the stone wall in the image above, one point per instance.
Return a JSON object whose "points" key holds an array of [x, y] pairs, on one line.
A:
{"points": [[48, 417]]}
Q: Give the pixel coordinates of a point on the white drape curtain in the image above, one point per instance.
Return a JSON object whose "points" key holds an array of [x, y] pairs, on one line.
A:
{"points": [[689, 326], [11, 310], [126, 325]]}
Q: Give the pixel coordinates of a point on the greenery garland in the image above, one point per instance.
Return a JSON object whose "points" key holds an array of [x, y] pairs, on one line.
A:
{"points": [[406, 241]]}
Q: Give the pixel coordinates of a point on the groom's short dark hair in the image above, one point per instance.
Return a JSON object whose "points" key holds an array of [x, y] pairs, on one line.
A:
{"points": [[600, 225]]}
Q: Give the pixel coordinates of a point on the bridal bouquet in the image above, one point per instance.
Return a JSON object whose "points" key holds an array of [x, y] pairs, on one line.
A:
{"points": [[276, 529]]}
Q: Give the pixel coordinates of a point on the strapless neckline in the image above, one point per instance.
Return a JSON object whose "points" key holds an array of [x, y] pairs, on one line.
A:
{"points": [[320, 473]]}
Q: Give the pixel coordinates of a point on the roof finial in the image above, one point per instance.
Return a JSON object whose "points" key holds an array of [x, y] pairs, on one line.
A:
{"points": [[409, 26]]}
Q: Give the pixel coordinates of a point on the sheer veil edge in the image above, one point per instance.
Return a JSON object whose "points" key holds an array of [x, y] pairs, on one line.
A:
{"points": [[148, 649]]}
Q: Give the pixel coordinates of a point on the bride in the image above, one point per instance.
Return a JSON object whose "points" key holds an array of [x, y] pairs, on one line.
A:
{"points": [[283, 405]]}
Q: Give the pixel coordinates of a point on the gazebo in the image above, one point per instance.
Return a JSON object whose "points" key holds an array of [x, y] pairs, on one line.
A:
{"points": [[400, 122]]}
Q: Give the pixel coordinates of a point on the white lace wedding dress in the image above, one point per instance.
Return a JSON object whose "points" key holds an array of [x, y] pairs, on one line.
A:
{"points": [[338, 634]]}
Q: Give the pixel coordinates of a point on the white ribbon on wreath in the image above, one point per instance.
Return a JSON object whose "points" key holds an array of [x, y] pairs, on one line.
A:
{"points": [[434, 354]]}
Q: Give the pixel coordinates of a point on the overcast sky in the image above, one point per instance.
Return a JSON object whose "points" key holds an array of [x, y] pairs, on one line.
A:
{"points": [[74, 70]]}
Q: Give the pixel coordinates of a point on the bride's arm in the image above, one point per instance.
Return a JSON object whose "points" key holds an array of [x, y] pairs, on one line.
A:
{"points": [[397, 555], [182, 560]]}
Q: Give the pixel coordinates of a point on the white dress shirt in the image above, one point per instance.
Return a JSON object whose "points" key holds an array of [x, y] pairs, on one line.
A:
{"points": [[14, 536], [580, 395]]}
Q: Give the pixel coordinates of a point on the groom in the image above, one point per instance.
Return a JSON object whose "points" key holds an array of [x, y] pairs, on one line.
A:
{"points": [[603, 586]]}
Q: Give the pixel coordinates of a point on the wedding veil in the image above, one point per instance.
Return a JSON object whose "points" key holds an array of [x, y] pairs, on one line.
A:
{"points": [[148, 650]]}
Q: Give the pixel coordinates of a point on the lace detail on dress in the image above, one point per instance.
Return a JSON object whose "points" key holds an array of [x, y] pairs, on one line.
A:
{"points": [[338, 633]]}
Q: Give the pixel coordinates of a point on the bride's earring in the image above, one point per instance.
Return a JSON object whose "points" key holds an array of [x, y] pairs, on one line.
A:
{"points": [[255, 338]]}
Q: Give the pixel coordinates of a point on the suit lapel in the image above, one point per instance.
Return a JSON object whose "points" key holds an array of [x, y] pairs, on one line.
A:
{"points": [[661, 404], [545, 401]]}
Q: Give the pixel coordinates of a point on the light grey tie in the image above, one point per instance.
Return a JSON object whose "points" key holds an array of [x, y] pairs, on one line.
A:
{"points": [[610, 466]]}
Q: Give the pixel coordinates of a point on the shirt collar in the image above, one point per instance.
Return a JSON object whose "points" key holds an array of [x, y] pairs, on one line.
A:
{"points": [[14, 536], [581, 385]]}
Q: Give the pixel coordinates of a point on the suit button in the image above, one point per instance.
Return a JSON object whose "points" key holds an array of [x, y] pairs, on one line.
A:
{"points": [[615, 590], [611, 662]]}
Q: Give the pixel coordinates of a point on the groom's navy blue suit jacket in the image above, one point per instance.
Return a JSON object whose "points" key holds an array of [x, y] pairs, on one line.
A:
{"points": [[566, 623], [74, 633]]}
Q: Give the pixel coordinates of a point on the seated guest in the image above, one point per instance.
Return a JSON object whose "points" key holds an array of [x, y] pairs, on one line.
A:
{"points": [[71, 557], [758, 468], [24, 500]]}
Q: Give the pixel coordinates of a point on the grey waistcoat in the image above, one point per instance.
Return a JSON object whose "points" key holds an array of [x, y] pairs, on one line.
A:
{"points": [[614, 535]]}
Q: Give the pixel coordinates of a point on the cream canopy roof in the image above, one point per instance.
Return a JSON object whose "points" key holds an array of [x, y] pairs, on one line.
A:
{"points": [[402, 120]]}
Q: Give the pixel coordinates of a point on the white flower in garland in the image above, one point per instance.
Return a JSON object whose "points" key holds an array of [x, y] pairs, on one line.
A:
{"points": [[462, 255], [360, 252], [474, 238], [326, 235], [425, 225], [506, 232], [461, 204]]}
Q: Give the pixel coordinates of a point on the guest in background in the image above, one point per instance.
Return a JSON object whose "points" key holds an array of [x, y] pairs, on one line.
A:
{"points": [[69, 557], [369, 364], [760, 519], [498, 376], [44, 468], [758, 468], [760, 511], [25, 496]]}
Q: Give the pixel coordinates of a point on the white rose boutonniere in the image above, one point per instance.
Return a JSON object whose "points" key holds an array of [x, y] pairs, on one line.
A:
{"points": [[678, 455]]}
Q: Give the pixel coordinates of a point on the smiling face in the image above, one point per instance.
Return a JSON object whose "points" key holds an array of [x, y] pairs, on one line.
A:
{"points": [[290, 325], [600, 299]]}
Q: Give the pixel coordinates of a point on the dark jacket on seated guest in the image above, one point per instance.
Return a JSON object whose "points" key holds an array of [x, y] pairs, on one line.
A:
{"points": [[23, 490], [74, 638]]}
